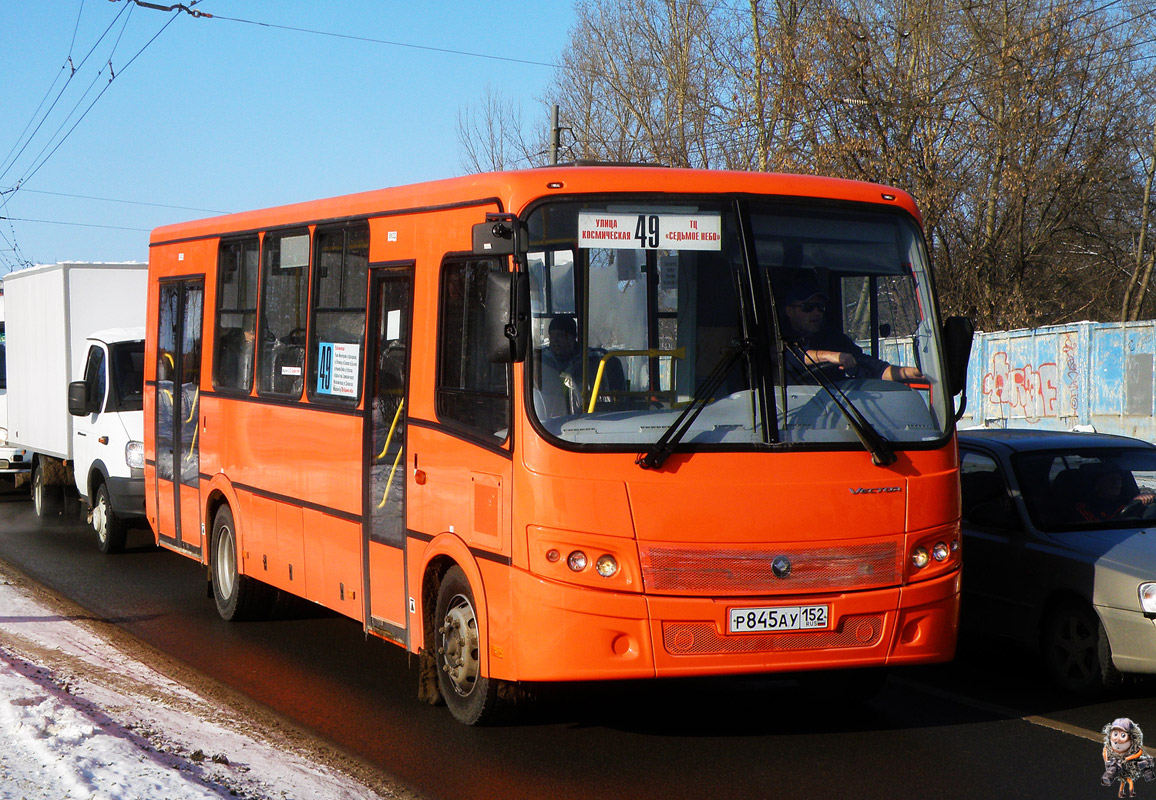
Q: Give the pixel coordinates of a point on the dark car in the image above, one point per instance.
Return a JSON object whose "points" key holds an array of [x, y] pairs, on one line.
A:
{"points": [[1059, 535]]}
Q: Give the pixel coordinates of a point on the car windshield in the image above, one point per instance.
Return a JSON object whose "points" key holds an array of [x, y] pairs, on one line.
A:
{"points": [[792, 319], [1084, 489]]}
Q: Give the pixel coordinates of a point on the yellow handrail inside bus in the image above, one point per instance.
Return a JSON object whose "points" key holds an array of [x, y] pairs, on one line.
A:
{"points": [[392, 428], [678, 353], [396, 459], [389, 482]]}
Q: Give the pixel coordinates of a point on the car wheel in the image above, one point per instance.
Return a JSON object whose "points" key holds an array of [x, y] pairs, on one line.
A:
{"points": [[471, 696], [238, 597], [1076, 651], [111, 530]]}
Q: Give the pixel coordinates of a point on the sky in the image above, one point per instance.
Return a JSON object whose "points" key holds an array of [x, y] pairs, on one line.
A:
{"points": [[83, 719], [267, 102]]}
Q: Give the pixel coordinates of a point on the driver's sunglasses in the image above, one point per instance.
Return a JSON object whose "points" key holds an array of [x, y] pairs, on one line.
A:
{"points": [[807, 308]]}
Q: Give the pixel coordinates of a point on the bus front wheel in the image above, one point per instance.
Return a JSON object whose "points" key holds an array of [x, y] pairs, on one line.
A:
{"points": [[238, 597], [471, 696]]}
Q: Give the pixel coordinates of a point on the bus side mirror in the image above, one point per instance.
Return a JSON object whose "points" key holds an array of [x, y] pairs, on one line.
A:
{"points": [[78, 399], [496, 236], [507, 322], [957, 333]]}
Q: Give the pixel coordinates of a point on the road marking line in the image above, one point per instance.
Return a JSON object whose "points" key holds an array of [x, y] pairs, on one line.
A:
{"points": [[1003, 711]]}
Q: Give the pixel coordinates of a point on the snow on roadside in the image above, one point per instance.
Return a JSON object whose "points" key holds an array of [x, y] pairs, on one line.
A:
{"points": [[81, 719]]}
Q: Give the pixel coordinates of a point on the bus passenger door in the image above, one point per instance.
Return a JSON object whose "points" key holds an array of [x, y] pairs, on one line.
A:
{"points": [[178, 414], [384, 530]]}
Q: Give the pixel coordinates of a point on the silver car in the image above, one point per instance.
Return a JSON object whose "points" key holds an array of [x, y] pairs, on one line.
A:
{"points": [[1059, 535]]}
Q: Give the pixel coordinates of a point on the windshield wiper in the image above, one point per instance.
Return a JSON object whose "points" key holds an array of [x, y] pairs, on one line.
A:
{"points": [[656, 456], [880, 449]]}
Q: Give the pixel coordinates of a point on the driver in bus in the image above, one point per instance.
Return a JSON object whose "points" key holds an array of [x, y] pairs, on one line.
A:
{"points": [[561, 372], [805, 326]]}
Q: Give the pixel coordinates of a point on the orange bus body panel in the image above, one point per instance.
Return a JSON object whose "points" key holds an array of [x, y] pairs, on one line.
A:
{"points": [[292, 473]]}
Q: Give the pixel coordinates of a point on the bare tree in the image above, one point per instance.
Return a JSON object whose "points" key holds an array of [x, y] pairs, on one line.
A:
{"points": [[1022, 127], [493, 136]]}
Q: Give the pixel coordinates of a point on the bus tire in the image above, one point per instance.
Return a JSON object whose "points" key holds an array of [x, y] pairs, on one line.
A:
{"points": [[111, 530], [47, 500], [238, 597], [471, 696]]}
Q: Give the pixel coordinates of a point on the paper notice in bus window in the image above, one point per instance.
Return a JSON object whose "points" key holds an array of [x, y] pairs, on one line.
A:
{"points": [[338, 365], [393, 325], [650, 231]]}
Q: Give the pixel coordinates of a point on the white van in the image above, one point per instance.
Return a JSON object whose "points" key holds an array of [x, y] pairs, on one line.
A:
{"points": [[75, 346], [108, 432]]}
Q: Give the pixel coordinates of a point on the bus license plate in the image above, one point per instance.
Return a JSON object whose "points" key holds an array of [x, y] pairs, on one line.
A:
{"points": [[778, 618]]}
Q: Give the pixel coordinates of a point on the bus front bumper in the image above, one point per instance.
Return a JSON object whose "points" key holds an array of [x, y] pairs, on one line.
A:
{"points": [[565, 632]]}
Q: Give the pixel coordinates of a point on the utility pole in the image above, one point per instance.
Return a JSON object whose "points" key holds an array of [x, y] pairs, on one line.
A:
{"points": [[555, 135]]}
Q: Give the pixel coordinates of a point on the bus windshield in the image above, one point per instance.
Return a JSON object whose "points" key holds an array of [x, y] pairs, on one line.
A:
{"points": [[775, 322]]}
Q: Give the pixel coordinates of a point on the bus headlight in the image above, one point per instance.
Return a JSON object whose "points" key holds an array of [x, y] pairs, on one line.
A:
{"points": [[1148, 598], [134, 455], [576, 561], [606, 566], [920, 558]]}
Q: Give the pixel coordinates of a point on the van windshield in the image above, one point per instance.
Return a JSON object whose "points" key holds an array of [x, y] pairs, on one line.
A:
{"points": [[785, 311]]}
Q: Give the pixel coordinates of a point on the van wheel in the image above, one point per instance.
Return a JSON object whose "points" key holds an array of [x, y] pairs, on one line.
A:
{"points": [[111, 530], [238, 597], [472, 697], [47, 500]]}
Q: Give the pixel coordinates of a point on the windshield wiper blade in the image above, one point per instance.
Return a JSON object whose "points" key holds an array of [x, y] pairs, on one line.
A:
{"points": [[656, 456], [880, 449]]}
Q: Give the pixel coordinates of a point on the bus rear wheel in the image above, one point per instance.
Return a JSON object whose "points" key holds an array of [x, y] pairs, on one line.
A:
{"points": [[471, 696], [238, 597]]}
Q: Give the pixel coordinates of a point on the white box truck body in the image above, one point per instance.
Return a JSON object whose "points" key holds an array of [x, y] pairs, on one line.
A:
{"points": [[75, 347], [13, 460]]}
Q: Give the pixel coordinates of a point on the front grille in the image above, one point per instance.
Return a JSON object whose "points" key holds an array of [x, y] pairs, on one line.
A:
{"points": [[704, 571], [703, 638]]}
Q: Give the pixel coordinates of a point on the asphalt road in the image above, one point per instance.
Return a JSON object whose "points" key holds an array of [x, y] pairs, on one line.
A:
{"points": [[983, 726]]}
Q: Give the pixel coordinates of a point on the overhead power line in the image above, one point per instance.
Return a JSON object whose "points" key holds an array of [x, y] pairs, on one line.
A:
{"points": [[128, 202], [75, 224], [348, 36]]}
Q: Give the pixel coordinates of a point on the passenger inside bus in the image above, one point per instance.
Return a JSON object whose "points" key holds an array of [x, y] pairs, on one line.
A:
{"points": [[805, 326], [560, 388]]}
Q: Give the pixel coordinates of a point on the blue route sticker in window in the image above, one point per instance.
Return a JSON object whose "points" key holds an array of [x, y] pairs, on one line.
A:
{"points": [[338, 365], [649, 231]]}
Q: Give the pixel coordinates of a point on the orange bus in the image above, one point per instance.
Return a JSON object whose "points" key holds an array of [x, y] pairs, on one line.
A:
{"points": [[565, 423]]}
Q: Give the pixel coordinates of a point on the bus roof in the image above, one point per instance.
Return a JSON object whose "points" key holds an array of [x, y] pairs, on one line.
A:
{"points": [[514, 190]]}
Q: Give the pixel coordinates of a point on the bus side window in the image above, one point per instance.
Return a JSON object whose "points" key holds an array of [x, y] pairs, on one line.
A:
{"points": [[471, 391], [337, 334], [284, 299], [236, 329]]}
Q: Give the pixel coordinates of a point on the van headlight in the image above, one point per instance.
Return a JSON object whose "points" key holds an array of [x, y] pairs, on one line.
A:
{"points": [[1148, 598], [134, 455]]}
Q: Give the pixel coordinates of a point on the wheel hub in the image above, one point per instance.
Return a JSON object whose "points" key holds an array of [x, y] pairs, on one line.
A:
{"points": [[459, 645]]}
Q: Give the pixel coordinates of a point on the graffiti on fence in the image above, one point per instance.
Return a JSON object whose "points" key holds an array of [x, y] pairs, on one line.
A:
{"points": [[1069, 350], [1025, 391]]}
